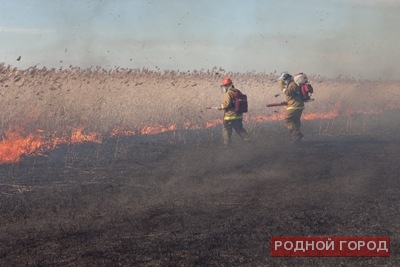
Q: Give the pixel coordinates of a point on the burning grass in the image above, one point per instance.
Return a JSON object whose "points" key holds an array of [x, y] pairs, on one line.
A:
{"points": [[132, 173], [42, 108]]}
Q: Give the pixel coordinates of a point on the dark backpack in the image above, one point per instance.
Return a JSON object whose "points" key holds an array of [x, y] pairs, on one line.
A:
{"points": [[240, 102]]}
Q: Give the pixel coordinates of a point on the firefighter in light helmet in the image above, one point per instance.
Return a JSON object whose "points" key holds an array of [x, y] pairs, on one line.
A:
{"points": [[291, 87], [232, 119]]}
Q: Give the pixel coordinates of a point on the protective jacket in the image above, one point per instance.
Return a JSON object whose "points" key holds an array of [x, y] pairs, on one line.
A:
{"points": [[293, 96], [229, 106]]}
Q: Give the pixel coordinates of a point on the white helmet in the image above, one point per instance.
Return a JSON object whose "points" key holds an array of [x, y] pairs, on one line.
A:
{"points": [[300, 79]]}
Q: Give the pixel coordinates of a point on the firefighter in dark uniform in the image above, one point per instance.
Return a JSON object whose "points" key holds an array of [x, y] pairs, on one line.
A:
{"points": [[232, 119], [291, 87]]}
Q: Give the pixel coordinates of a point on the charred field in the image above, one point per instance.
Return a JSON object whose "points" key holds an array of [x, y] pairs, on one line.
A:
{"points": [[178, 197]]}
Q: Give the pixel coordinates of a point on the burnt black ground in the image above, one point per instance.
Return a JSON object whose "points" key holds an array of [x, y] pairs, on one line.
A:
{"points": [[182, 199]]}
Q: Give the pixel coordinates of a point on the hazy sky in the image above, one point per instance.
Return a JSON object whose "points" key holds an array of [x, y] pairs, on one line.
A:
{"points": [[357, 38]]}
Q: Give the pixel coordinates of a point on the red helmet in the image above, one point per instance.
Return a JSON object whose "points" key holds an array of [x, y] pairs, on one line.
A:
{"points": [[227, 81]]}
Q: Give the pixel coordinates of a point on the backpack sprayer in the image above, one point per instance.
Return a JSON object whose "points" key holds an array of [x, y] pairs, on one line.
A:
{"points": [[306, 92], [239, 102]]}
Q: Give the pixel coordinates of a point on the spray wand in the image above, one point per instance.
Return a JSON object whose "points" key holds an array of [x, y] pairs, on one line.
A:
{"points": [[216, 108]]}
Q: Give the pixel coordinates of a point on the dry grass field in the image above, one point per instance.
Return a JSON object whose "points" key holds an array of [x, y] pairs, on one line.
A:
{"points": [[126, 168]]}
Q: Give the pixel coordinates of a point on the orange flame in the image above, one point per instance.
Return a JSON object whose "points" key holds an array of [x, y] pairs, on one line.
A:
{"points": [[121, 132], [212, 123], [78, 136], [17, 143], [155, 129]]}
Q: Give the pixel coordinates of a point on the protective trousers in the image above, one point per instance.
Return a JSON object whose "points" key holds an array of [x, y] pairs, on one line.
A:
{"points": [[237, 125], [293, 123]]}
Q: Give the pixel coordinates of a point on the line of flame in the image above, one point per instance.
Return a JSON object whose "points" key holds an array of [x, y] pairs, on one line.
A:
{"points": [[17, 143]]}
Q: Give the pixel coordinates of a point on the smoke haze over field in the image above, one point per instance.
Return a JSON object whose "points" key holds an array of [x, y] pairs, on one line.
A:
{"points": [[329, 38]]}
